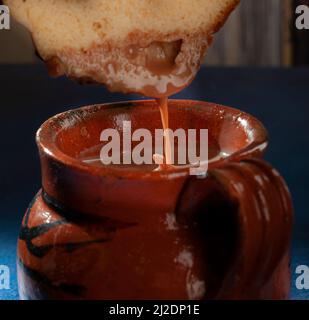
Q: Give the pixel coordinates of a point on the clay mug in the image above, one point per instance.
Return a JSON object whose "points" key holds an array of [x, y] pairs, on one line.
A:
{"points": [[102, 232]]}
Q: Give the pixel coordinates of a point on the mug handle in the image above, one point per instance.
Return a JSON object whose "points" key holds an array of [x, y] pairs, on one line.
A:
{"points": [[256, 196]]}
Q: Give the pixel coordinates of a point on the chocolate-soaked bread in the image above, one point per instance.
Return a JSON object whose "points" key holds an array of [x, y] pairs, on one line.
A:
{"points": [[153, 47]]}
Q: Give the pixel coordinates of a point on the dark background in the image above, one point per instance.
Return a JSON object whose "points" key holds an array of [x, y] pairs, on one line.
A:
{"points": [[300, 41]]}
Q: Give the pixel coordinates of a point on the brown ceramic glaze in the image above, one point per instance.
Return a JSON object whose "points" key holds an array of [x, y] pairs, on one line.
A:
{"points": [[97, 232]]}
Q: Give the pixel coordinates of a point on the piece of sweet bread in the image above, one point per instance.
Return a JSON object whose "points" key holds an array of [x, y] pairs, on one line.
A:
{"points": [[153, 47]]}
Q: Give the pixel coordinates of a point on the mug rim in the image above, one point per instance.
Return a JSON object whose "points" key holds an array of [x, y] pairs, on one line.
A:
{"points": [[46, 140]]}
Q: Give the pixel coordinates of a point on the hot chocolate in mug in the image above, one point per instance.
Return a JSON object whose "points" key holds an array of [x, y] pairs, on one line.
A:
{"points": [[108, 232]]}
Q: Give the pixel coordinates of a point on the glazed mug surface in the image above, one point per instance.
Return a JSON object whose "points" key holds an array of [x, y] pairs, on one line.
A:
{"points": [[102, 232]]}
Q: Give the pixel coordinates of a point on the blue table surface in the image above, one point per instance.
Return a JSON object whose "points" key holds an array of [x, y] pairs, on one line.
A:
{"points": [[28, 96]]}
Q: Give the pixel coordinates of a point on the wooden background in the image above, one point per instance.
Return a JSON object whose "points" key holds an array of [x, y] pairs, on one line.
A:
{"points": [[258, 33]]}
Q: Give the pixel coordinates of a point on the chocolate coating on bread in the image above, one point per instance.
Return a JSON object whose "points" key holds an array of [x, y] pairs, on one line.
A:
{"points": [[152, 47]]}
